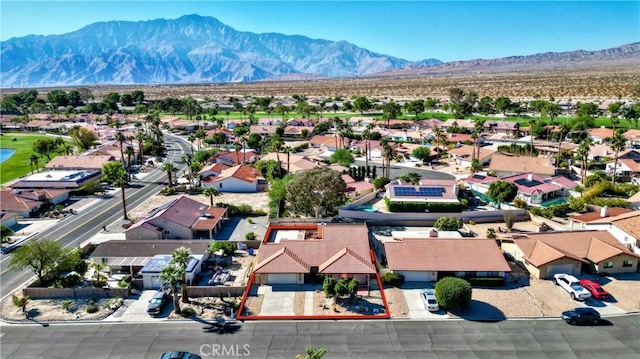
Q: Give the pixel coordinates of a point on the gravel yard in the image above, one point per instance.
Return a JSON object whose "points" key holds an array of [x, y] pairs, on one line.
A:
{"points": [[43, 310], [512, 302], [625, 289], [298, 303], [397, 302], [549, 298]]}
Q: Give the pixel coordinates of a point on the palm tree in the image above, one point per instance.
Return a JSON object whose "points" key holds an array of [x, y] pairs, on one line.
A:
{"points": [[169, 168], [313, 353], [98, 277], [583, 155], [170, 277], [117, 175], [563, 129], [121, 138], [130, 152], [615, 121], [188, 159], [181, 257], [243, 139], [618, 144], [33, 160], [141, 137], [276, 144], [288, 150], [211, 192], [532, 123], [440, 138]]}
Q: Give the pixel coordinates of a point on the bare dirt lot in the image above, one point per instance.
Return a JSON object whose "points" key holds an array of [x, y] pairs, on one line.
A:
{"points": [[625, 289], [46, 310], [397, 302]]}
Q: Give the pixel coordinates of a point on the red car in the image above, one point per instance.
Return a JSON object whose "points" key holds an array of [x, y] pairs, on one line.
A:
{"points": [[595, 289]]}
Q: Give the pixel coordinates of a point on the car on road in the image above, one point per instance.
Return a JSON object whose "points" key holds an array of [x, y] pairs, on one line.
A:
{"points": [[429, 298], [157, 303], [594, 288], [179, 355], [581, 315], [572, 285]]}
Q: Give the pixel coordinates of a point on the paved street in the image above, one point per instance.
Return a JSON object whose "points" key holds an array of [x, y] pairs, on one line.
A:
{"points": [[617, 338], [78, 228]]}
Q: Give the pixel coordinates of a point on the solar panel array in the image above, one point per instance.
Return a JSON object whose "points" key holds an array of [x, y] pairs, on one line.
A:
{"points": [[421, 192], [525, 182], [480, 177]]}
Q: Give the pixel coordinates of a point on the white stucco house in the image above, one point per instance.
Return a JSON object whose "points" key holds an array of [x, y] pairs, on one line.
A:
{"points": [[237, 179]]}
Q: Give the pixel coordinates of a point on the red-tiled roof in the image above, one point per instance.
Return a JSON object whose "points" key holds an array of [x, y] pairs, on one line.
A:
{"points": [[453, 254], [241, 172], [10, 201], [182, 211], [592, 216], [521, 164]]}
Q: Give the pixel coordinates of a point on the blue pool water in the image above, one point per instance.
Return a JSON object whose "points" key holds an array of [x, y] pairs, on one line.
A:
{"points": [[366, 208], [5, 153]]}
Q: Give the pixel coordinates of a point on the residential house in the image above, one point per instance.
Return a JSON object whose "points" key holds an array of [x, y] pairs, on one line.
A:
{"points": [[11, 202], [270, 122], [598, 152], [129, 257], [632, 136], [598, 135], [463, 155], [634, 201], [57, 179], [8, 219], [429, 123], [79, 162], [536, 190], [451, 137], [181, 218], [506, 164], [584, 220], [325, 143], [468, 125], [300, 254], [236, 179], [427, 191], [304, 122], [229, 134], [233, 158], [211, 171], [263, 130], [430, 259], [152, 270], [507, 128], [628, 164], [624, 226], [356, 189], [48, 196], [571, 252]]}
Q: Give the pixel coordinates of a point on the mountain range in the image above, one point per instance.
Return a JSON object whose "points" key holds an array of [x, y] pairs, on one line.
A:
{"points": [[197, 49]]}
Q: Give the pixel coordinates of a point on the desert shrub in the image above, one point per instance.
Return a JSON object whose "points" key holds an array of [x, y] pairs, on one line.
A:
{"points": [[241, 210], [448, 224], [187, 312], [453, 293], [66, 305], [70, 280], [380, 182], [464, 202], [250, 236], [250, 220], [520, 203], [92, 309], [393, 279], [329, 286], [342, 287]]}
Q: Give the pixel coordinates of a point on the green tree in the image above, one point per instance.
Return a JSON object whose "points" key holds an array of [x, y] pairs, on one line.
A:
{"points": [[491, 233], [278, 194], [618, 144], [41, 256], [45, 147], [170, 277], [20, 302], [211, 192], [181, 257], [361, 104], [99, 279], [227, 247], [380, 182], [411, 177], [422, 153], [453, 293], [316, 192], [342, 157], [353, 287], [33, 161], [116, 174], [503, 104], [448, 224], [501, 191], [329, 286], [390, 111], [5, 232], [170, 169], [313, 353], [342, 287], [83, 138]]}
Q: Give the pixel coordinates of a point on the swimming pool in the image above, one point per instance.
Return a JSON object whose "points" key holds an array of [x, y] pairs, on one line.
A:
{"points": [[366, 208], [5, 153]]}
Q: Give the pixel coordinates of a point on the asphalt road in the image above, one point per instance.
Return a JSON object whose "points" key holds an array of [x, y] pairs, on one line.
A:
{"points": [[617, 338], [76, 229], [397, 171]]}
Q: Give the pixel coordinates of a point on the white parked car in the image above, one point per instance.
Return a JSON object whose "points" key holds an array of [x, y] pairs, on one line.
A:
{"points": [[429, 298], [572, 285]]}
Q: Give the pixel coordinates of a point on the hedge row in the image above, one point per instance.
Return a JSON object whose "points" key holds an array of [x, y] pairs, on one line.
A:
{"points": [[422, 207], [486, 281]]}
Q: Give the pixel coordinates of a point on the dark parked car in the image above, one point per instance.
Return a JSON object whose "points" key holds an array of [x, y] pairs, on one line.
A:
{"points": [[157, 302], [581, 315], [179, 355], [595, 289]]}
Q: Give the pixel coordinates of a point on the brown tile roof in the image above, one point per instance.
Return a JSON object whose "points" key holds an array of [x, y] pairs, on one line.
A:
{"points": [[633, 135], [430, 254], [335, 252], [183, 211], [235, 157], [145, 248], [211, 219], [618, 217], [631, 225], [360, 186], [634, 198], [329, 141], [601, 132], [241, 172], [521, 164], [582, 246], [592, 216], [466, 151], [79, 162], [10, 201]]}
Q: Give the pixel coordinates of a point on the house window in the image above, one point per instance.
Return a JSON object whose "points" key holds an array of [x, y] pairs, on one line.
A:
{"points": [[219, 185], [627, 264], [166, 232], [607, 265], [105, 260]]}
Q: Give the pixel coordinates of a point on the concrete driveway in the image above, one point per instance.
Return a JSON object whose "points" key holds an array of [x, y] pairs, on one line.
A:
{"points": [[416, 305], [603, 307], [278, 299], [135, 310]]}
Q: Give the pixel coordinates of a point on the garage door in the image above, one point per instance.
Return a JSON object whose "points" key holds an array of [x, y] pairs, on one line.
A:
{"points": [[418, 276], [282, 278], [155, 282], [559, 268]]}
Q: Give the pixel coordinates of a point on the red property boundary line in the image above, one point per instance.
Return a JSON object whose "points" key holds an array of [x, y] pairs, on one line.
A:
{"points": [[240, 316]]}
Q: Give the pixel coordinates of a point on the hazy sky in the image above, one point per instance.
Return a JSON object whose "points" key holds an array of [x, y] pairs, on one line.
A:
{"points": [[414, 30]]}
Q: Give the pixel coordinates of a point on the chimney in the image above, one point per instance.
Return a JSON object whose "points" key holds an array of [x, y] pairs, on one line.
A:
{"points": [[433, 233], [604, 211], [530, 177], [320, 229]]}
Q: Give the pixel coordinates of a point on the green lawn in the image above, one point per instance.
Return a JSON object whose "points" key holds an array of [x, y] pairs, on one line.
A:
{"points": [[18, 164]]}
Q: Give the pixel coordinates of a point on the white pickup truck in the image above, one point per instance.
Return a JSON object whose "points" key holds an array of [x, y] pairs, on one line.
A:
{"points": [[572, 285]]}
